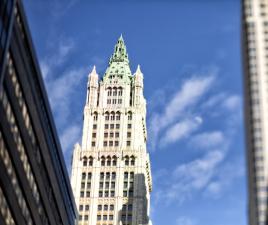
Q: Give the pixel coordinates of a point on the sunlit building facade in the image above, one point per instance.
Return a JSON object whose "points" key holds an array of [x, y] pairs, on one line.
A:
{"points": [[34, 184], [255, 58], [111, 175]]}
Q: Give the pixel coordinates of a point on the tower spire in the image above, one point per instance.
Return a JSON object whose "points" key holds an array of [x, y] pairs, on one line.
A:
{"points": [[120, 51]]}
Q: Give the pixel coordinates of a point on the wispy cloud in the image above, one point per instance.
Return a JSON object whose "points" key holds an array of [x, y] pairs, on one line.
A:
{"points": [[188, 95], [181, 130], [69, 136], [208, 140]]}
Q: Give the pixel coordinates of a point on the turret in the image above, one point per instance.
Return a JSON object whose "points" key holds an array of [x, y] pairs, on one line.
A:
{"points": [[92, 87], [138, 86]]}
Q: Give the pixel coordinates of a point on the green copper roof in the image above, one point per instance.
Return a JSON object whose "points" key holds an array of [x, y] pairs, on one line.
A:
{"points": [[118, 68]]}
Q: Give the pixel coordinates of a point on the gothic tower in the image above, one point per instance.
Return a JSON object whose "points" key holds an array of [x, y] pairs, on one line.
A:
{"points": [[111, 175]]}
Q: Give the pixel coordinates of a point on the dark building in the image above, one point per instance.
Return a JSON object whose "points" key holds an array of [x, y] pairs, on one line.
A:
{"points": [[34, 183]]}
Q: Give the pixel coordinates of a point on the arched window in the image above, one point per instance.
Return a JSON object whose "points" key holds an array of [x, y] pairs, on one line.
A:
{"points": [[120, 91], [126, 160], [112, 116], [84, 161], [90, 161], [129, 116], [95, 116], [114, 160], [132, 160], [102, 161], [109, 93], [106, 116], [114, 92], [108, 161], [117, 115]]}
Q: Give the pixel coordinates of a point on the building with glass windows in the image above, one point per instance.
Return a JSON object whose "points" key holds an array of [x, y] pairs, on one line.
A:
{"points": [[111, 175], [34, 184], [255, 58]]}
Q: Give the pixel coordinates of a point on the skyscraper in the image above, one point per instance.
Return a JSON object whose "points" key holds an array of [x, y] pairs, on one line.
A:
{"points": [[34, 183], [111, 175], [255, 58]]}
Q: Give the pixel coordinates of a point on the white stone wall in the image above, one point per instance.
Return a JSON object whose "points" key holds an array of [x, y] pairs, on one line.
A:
{"points": [[137, 148]]}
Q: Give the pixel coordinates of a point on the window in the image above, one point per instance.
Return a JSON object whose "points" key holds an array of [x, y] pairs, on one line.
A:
{"points": [[130, 207], [85, 162], [93, 143], [81, 207], [113, 175], [95, 116], [129, 126], [132, 162], [124, 193], [104, 217], [117, 126], [82, 194], [107, 176], [100, 193], [129, 116], [103, 162], [94, 126], [106, 185], [98, 217], [130, 193], [131, 175], [102, 176], [110, 143], [111, 217], [90, 162], [82, 185], [117, 116], [112, 117], [128, 134], [88, 194], [107, 117], [80, 217], [106, 193], [86, 217], [117, 134], [112, 126], [114, 160], [116, 143], [108, 162], [125, 185], [119, 101], [114, 101], [86, 207], [124, 208], [128, 143], [106, 126], [111, 134], [106, 134], [112, 185], [84, 175], [126, 162], [105, 207], [101, 184], [94, 135], [99, 207], [88, 185], [111, 207], [125, 175], [105, 143]]}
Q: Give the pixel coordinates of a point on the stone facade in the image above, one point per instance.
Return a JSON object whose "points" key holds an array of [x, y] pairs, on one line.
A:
{"points": [[111, 175]]}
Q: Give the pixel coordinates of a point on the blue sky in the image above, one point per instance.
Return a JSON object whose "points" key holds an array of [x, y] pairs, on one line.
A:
{"points": [[189, 52]]}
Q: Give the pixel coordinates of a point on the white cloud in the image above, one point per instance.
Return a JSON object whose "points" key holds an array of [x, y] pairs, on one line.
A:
{"points": [[208, 140], [188, 95], [191, 177], [70, 136], [214, 100], [232, 102], [180, 130]]}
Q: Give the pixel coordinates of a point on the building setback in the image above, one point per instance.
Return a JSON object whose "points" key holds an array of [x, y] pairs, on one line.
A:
{"points": [[255, 58], [111, 175], [34, 184]]}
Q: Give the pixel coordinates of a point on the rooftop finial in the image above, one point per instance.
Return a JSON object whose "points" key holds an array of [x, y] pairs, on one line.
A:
{"points": [[120, 51]]}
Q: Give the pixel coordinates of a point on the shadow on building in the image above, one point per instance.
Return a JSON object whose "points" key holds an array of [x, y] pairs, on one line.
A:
{"points": [[135, 208]]}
